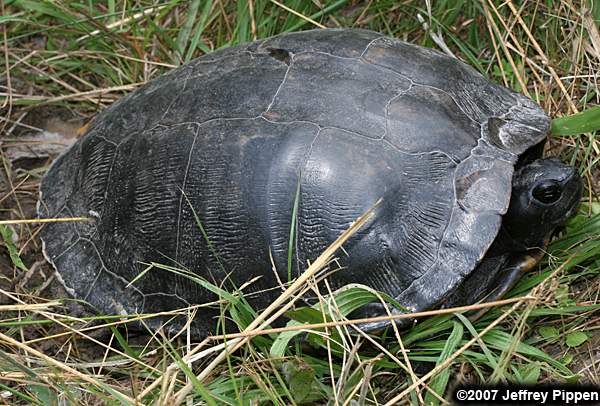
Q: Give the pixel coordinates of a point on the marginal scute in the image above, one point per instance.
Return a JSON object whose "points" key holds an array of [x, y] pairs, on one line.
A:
{"points": [[55, 247], [524, 127], [462, 230], [478, 181], [457, 249], [62, 175]]}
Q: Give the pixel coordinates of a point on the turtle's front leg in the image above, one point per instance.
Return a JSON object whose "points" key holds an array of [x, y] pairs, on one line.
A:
{"points": [[492, 279]]}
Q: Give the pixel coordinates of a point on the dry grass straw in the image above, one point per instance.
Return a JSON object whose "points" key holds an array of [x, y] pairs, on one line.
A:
{"points": [[29, 307], [76, 96], [57, 319], [60, 365], [43, 221], [124, 21], [294, 12]]}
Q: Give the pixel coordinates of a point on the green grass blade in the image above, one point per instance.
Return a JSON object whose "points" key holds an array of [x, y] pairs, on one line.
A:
{"points": [[200, 281], [211, 247], [30, 400], [440, 381], [292, 238], [184, 33], [13, 252], [200, 27], [491, 357], [580, 123]]}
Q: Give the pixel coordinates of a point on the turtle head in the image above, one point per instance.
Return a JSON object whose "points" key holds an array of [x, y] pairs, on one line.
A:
{"points": [[545, 193]]}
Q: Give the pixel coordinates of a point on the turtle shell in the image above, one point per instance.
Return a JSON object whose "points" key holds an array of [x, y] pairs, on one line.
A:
{"points": [[200, 169]]}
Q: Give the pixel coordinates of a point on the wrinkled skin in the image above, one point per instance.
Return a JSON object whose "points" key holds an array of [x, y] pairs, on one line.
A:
{"points": [[344, 116]]}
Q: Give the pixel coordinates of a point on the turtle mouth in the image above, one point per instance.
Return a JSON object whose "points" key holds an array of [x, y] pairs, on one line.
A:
{"points": [[575, 188], [577, 195], [576, 184]]}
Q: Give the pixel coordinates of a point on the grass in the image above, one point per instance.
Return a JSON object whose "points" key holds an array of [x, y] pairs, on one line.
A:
{"points": [[81, 56]]}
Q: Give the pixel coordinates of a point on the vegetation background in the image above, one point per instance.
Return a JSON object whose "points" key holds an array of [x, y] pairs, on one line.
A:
{"points": [[63, 61]]}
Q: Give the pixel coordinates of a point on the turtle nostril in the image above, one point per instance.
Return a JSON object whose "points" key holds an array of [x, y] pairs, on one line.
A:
{"points": [[570, 176], [574, 175]]}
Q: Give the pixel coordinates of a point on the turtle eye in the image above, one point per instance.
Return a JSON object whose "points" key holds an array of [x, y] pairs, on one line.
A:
{"points": [[547, 192]]}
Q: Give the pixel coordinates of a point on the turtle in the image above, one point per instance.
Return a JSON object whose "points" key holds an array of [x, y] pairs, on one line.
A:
{"points": [[246, 163]]}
